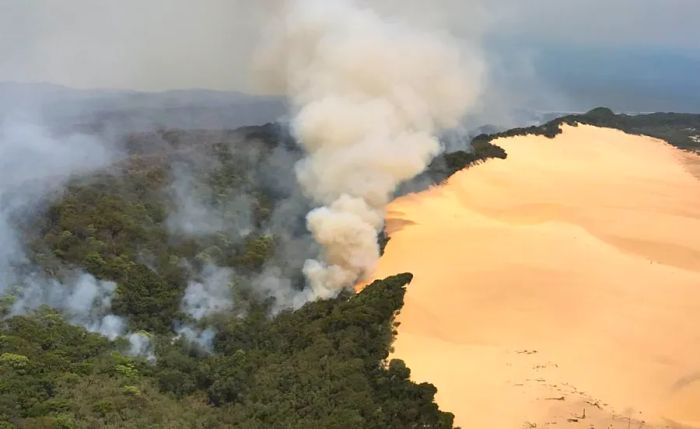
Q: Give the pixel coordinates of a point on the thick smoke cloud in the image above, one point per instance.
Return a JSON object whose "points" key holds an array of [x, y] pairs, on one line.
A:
{"points": [[370, 94]]}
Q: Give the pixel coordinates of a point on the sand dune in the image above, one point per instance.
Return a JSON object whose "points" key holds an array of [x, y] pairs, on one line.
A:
{"points": [[558, 287]]}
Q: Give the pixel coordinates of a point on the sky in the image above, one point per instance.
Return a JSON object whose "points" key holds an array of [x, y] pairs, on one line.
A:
{"points": [[553, 54]]}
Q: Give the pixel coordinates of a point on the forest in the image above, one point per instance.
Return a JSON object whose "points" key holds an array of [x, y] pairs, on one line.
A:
{"points": [[324, 366], [179, 209]]}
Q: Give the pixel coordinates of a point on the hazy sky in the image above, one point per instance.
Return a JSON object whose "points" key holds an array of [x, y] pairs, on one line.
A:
{"points": [[165, 44], [136, 44]]}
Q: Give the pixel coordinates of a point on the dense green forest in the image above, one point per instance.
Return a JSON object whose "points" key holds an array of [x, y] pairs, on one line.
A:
{"points": [[114, 224], [323, 366]]}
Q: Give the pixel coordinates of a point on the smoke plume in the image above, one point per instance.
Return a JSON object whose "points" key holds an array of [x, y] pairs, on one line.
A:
{"points": [[369, 96], [213, 294], [85, 301], [34, 164]]}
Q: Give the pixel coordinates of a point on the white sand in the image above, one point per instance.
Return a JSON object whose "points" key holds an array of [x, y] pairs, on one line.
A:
{"points": [[564, 278]]}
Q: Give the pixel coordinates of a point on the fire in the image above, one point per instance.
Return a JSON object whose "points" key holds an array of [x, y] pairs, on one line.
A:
{"points": [[564, 278]]}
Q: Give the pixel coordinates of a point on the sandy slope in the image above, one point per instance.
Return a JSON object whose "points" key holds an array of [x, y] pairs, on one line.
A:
{"points": [[565, 278]]}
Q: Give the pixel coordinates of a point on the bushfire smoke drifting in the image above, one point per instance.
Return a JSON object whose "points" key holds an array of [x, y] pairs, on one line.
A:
{"points": [[369, 95]]}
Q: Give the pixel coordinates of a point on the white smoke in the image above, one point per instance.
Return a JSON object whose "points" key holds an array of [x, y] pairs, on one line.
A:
{"points": [[211, 294], [85, 301], [204, 338], [140, 345], [370, 94], [35, 164], [194, 217], [272, 282]]}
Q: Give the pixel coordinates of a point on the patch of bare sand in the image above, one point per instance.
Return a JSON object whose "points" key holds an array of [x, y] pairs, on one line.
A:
{"points": [[558, 287]]}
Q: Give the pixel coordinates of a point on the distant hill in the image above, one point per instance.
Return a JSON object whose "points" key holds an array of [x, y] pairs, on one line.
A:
{"points": [[62, 107]]}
